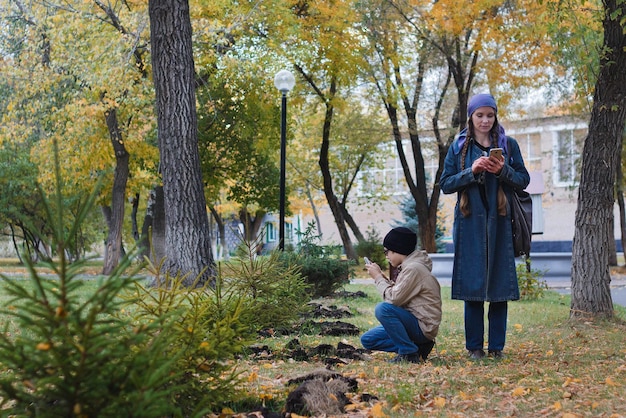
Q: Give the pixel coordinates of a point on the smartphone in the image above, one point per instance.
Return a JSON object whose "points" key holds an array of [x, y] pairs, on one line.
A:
{"points": [[495, 152], [367, 260]]}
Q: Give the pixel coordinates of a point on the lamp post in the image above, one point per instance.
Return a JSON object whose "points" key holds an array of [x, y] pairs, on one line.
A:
{"points": [[284, 82]]}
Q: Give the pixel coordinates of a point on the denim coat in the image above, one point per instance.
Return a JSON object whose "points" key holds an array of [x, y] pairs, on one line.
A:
{"points": [[484, 261]]}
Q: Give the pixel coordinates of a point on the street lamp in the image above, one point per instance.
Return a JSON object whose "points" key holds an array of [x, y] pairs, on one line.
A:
{"points": [[284, 82]]}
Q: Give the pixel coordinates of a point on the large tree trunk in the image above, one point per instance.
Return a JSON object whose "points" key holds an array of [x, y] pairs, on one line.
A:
{"points": [[113, 244], [187, 235], [591, 293]]}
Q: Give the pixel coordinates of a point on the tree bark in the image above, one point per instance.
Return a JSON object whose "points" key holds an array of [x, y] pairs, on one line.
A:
{"points": [[331, 197], [133, 218], [221, 228], [113, 243], [187, 235], [591, 293]]}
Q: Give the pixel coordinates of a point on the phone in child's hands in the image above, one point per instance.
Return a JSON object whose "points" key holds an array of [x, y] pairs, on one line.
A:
{"points": [[367, 260], [496, 153]]}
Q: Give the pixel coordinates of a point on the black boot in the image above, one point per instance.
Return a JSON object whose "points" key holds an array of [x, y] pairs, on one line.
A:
{"points": [[425, 349]]}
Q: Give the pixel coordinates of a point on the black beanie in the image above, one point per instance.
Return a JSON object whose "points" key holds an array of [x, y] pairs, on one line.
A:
{"points": [[400, 240]]}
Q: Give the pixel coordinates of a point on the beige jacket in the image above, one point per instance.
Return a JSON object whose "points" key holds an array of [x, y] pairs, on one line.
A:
{"points": [[416, 290]]}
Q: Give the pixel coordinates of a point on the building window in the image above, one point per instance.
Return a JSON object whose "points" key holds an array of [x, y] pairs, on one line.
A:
{"points": [[270, 232], [567, 158], [288, 231], [530, 146]]}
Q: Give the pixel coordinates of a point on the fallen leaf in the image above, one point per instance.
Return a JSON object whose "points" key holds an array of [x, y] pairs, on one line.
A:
{"points": [[440, 402], [519, 391], [377, 411]]}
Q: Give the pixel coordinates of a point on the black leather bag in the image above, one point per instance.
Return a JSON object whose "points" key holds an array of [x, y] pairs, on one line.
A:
{"points": [[522, 222]]}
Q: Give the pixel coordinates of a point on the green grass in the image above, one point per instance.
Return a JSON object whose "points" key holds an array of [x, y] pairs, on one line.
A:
{"points": [[553, 367]]}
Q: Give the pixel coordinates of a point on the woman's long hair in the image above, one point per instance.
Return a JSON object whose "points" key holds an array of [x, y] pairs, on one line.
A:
{"points": [[464, 200]]}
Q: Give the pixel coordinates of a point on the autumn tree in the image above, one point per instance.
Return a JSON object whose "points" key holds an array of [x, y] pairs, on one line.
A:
{"points": [[591, 294], [414, 43], [329, 70], [238, 139], [188, 250], [91, 66]]}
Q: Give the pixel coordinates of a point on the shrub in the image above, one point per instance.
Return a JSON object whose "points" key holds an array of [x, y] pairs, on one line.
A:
{"points": [[322, 267], [372, 248], [531, 285], [274, 294], [209, 328]]}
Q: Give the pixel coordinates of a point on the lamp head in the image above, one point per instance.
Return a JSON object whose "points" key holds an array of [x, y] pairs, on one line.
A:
{"points": [[284, 81]]}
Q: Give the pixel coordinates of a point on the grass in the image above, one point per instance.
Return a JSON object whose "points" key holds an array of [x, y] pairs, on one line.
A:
{"points": [[553, 367]]}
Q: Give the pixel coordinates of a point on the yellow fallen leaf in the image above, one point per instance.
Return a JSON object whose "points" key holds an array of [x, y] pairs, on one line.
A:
{"points": [[549, 353], [376, 369], [557, 406], [333, 397], [440, 402], [268, 365], [297, 416], [518, 327], [253, 377], [377, 411], [611, 382], [519, 391]]}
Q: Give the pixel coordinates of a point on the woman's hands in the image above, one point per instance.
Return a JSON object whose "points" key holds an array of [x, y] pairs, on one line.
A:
{"points": [[489, 164]]}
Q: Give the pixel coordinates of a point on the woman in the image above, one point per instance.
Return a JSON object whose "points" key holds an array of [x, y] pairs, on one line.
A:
{"points": [[484, 261]]}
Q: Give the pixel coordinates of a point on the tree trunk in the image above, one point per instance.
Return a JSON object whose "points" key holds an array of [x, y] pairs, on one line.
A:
{"points": [[591, 293], [187, 235], [221, 228], [153, 229], [333, 202], [133, 218], [113, 243], [316, 215]]}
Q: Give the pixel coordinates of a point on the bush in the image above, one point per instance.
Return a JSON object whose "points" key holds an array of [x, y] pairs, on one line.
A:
{"points": [[274, 294], [322, 267], [372, 248], [531, 285], [209, 328]]}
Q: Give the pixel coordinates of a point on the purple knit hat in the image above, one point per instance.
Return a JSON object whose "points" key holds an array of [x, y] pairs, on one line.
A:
{"points": [[481, 100], [476, 101]]}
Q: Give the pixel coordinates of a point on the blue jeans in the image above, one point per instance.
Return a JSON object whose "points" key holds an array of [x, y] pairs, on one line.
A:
{"points": [[399, 331], [475, 325]]}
